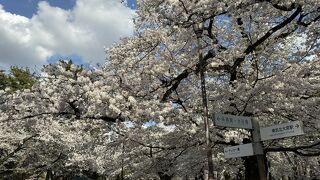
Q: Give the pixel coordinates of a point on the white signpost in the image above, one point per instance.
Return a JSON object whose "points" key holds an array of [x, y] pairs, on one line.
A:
{"points": [[226, 120], [258, 135], [282, 130], [239, 151]]}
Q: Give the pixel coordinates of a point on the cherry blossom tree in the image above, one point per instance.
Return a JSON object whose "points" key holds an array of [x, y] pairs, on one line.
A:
{"points": [[259, 58], [52, 128]]}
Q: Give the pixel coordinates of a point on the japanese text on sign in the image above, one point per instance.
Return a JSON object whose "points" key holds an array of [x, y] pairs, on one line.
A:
{"points": [[226, 120]]}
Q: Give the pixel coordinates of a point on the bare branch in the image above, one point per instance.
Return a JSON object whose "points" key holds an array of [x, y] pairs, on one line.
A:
{"points": [[297, 149]]}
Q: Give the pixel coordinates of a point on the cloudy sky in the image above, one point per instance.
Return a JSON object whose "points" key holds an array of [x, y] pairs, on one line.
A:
{"points": [[34, 32]]}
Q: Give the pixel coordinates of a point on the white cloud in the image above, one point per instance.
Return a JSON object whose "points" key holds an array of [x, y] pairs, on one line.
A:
{"points": [[84, 30]]}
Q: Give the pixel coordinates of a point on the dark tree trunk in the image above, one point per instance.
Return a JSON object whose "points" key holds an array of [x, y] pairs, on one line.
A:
{"points": [[251, 164], [164, 176], [91, 174], [49, 175], [251, 168]]}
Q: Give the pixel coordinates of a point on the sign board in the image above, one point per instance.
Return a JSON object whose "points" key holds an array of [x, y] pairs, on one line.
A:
{"points": [[282, 130], [239, 151], [226, 120]]}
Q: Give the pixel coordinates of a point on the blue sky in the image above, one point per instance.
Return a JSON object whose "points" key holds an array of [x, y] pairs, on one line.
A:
{"points": [[29, 7], [35, 32]]}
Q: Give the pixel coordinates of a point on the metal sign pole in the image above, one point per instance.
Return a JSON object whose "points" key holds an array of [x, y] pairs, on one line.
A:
{"points": [[258, 149]]}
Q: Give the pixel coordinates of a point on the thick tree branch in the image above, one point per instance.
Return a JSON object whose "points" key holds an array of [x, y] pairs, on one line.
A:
{"points": [[175, 83], [20, 147], [283, 8], [209, 29], [252, 47], [298, 149], [104, 118], [300, 22], [75, 108], [40, 114]]}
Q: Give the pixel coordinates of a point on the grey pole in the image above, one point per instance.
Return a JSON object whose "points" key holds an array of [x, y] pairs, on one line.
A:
{"points": [[258, 149]]}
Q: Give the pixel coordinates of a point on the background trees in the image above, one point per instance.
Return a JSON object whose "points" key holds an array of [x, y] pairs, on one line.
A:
{"points": [[16, 79]]}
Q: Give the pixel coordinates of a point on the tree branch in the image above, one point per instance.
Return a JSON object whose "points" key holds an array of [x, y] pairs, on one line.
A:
{"points": [[296, 149], [20, 147], [252, 47], [75, 108], [175, 83], [104, 118], [283, 8]]}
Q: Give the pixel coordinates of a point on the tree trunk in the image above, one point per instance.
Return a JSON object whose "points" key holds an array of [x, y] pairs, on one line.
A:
{"points": [[251, 167], [164, 176], [251, 164], [49, 175]]}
